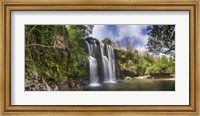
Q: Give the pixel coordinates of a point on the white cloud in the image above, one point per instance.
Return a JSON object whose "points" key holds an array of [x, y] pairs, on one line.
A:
{"points": [[133, 31], [99, 31], [161, 54], [141, 48]]}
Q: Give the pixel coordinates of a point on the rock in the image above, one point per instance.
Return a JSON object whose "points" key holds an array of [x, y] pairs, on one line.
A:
{"points": [[127, 78], [56, 88], [32, 89], [47, 86], [71, 84], [27, 82], [143, 77], [64, 87], [34, 83], [35, 75]]}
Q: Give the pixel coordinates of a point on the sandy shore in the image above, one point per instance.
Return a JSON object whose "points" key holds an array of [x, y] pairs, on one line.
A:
{"points": [[147, 77]]}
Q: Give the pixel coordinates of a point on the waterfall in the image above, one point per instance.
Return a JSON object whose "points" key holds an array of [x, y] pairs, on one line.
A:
{"points": [[105, 62], [92, 65], [88, 47], [108, 63]]}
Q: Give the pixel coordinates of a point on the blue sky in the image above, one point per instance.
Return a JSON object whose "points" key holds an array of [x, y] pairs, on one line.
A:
{"points": [[136, 33]]}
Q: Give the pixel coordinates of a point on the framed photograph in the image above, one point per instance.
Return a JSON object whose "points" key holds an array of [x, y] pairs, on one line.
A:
{"points": [[97, 57]]}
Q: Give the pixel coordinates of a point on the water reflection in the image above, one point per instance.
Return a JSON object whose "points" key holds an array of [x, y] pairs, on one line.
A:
{"points": [[135, 85]]}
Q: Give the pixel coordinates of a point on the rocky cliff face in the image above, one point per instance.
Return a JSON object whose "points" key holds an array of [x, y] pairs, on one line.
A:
{"points": [[34, 82]]}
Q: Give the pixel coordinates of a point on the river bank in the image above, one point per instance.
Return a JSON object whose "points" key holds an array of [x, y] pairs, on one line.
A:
{"points": [[155, 77], [34, 82]]}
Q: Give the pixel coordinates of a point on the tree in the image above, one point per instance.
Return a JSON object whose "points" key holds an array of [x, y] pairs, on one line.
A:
{"points": [[82, 31], [129, 45], [88, 30], [161, 39], [40, 34], [76, 55], [117, 44], [107, 41], [162, 65]]}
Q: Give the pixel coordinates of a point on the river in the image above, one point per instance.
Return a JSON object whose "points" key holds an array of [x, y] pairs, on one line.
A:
{"points": [[135, 85]]}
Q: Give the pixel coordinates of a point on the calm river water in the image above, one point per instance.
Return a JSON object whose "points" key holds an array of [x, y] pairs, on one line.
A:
{"points": [[136, 85]]}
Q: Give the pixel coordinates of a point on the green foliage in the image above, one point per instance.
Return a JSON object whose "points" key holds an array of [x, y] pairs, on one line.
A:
{"points": [[76, 54], [152, 70], [41, 34], [142, 65], [133, 64], [46, 55], [126, 62], [163, 65], [171, 65]]}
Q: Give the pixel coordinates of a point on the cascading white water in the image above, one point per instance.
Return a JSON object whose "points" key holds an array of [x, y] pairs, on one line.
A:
{"points": [[92, 65], [93, 71], [88, 47], [105, 62], [108, 64]]}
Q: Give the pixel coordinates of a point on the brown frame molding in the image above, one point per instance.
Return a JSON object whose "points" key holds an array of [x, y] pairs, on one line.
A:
{"points": [[8, 7]]}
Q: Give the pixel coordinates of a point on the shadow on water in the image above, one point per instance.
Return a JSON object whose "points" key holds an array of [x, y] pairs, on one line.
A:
{"points": [[135, 85]]}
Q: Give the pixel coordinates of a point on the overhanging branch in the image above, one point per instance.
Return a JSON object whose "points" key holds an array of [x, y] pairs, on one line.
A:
{"points": [[40, 45], [169, 50]]}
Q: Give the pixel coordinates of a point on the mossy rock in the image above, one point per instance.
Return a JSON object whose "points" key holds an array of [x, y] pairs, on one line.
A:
{"points": [[127, 78]]}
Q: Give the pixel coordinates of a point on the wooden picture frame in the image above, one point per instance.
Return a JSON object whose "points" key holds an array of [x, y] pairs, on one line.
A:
{"points": [[154, 5]]}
